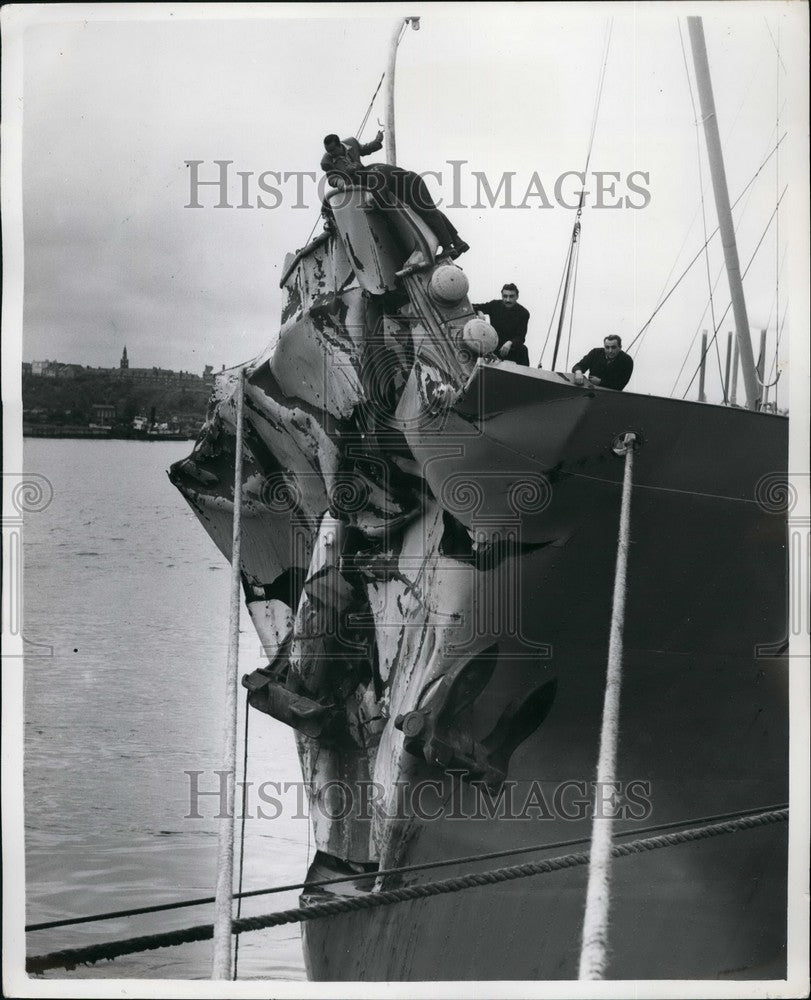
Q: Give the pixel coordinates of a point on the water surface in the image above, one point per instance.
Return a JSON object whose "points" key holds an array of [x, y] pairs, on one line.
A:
{"points": [[125, 586]]}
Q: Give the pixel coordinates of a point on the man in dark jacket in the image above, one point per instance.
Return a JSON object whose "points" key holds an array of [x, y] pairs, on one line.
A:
{"points": [[341, 163], [608, 366], [510, 321]]}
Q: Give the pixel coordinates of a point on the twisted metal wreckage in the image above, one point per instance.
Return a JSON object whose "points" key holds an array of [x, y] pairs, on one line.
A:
{"points": [[357, 576]]}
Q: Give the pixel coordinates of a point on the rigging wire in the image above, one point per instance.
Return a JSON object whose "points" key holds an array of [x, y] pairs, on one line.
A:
{"points": [[729, 306], [771, 307], [779, 337], [572, 251], [767, 382], [746, 271], [721, 270], [776, 44], [684, 273], [676, 259], [607, 45], [640, 337], [571, 311], [554, 309], [695, 335], [755, 72], [667, 279], [570, 260], [362, 125], [774, 367]]}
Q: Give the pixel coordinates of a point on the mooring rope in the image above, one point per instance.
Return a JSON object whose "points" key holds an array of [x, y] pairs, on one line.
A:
{"points": [[594, 949], [71, 957], [224, 893], [239, 895], [558, 845]]}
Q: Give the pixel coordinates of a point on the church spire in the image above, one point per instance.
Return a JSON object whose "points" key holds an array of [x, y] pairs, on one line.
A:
{"points": [[124, 360]]}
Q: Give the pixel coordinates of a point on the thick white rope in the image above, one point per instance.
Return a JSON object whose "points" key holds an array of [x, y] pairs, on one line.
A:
{"points": [[223, 902], [594, 949]]}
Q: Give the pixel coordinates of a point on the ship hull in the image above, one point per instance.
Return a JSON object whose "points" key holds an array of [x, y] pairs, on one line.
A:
{"points": [[704, 705]]}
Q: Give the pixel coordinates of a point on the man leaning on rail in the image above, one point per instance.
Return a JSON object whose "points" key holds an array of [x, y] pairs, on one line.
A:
{"points": [[608, 366], [341, 163]]}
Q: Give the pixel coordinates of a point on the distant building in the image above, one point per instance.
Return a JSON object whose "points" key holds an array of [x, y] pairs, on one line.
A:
{"points": [[103, 414], [45, 368], [159, 375], [154, 375], [52, 369]]}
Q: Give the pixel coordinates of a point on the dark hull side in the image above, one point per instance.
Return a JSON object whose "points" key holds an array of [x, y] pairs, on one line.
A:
{"points": [[704, 716], [709, 736]]}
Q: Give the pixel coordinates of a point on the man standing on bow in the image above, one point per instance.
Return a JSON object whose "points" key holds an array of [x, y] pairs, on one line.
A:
{"points": [[510, 321], [608, 366]]}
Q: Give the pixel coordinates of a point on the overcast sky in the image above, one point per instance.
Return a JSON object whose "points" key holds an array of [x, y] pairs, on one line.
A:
{"points": [[114, 106]]}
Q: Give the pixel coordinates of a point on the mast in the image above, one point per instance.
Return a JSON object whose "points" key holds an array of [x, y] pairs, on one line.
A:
{"points": [[722, 207], [702, 396], [761, 358], [761, 368], [572, 259], [733, 392], [391, 143]]}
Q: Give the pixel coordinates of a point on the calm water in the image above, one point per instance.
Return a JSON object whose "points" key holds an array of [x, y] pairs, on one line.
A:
{"points": [[126, 587]]}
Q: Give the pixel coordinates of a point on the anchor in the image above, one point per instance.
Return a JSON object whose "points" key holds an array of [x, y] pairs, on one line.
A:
{"points": [[319, 721], [439, 730]]}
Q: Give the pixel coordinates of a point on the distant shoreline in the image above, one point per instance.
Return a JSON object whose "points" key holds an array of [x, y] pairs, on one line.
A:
{"points": [[93, 434]]}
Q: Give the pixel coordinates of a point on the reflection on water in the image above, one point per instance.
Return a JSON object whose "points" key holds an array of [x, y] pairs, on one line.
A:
{"points": [[125, 585]]}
